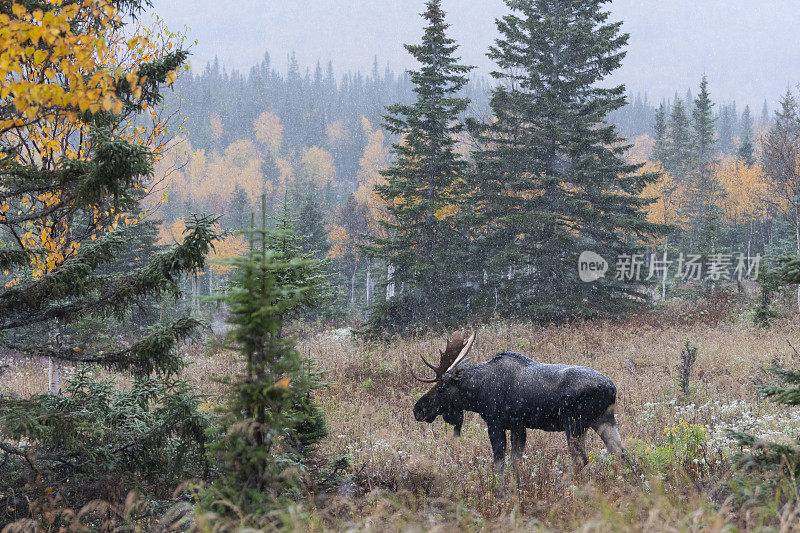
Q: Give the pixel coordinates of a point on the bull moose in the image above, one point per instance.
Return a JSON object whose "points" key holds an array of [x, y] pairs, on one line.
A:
{"points": [[512, 392]]}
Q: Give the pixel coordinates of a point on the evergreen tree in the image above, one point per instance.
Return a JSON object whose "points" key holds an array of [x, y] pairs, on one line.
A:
{"points": [[746, 151], [727, 124], [703, 127], [704, 189], [780, 153], [270, 176], [661, 150], [423, 188], [81, 203], [680, 142], [551, 179], [746, 124], [746, 148], [108, 180], [272, 419], [238, 215], [769, 464], [310, 228]]}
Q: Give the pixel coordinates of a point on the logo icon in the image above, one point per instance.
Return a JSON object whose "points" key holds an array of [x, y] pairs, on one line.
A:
{"points": [[591, 267]]}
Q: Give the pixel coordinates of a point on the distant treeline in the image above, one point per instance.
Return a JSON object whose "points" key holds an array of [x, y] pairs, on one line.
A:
{"points": [[307, 101], [318, 140], [638, 117]]}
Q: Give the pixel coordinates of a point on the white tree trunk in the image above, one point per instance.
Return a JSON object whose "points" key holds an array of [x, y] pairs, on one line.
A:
{"points": [[368, 283], [389, 281], [664, 276], [353, 285], [195, 292], [797, 234], [54, 365]]}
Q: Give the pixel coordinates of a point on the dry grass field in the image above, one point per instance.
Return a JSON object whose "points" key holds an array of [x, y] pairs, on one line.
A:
{"points": [[415, 476], [408, 476]]}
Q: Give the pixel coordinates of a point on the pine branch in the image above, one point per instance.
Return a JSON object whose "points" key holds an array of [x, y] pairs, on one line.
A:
{"points": [[154, 353], [76, 281]]}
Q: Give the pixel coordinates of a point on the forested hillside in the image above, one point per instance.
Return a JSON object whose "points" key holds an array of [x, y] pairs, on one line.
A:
{"points": [[318, 139], [221, 294]]}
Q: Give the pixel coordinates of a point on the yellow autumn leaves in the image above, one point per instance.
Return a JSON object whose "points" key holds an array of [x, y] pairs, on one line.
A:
{"points": [[48, 60], [56, 63], [742, 192], [66, 60], [230, 246]]}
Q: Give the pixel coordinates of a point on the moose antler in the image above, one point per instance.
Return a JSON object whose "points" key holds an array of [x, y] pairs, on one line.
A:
{"points": [[456, 350]]}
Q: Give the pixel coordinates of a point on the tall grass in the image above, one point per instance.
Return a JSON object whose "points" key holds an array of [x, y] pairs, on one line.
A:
{"points": [[407, 475]]}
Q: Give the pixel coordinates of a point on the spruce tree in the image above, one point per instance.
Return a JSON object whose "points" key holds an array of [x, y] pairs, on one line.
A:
{"points": [[270, 173], [551, 179], [238, 215], [424, 187], [727, 124], [772, 465], [310, 228], [661, 150], [703, 127], [272, 419], [680, 142], [780, 152], [704, 189], [746, 149], [94, 191]]}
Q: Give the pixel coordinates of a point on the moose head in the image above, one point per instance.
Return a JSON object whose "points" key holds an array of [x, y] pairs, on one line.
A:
{"points": [[445, 397]]}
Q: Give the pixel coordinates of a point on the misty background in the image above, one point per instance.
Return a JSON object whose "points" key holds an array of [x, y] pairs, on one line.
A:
{"points": [[747, 49]]}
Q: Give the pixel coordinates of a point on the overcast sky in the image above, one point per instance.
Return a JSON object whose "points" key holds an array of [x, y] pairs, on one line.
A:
{"points": [[749, 48]]}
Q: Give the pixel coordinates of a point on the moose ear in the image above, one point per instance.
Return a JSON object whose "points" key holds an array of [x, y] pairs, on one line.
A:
{"points": [[464, 363], [455, 374]]}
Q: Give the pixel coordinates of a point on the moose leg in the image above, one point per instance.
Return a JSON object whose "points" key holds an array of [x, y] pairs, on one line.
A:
{"points": [[518, 437], [575, 430], [497, 436], [576, 443]]}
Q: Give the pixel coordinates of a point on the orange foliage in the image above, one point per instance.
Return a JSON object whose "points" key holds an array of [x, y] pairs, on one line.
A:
{"points": [[375, 158], [212, 180], [317, 166], [669, 195], [230, 246], [341, 241], [370, 210], [173, 233], [336, 133], [745, 189], [269, 131]]}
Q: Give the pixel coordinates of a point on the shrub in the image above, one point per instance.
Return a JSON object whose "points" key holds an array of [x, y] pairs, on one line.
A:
{"points": [[683, 449], [769, 471], [97, 441]]}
